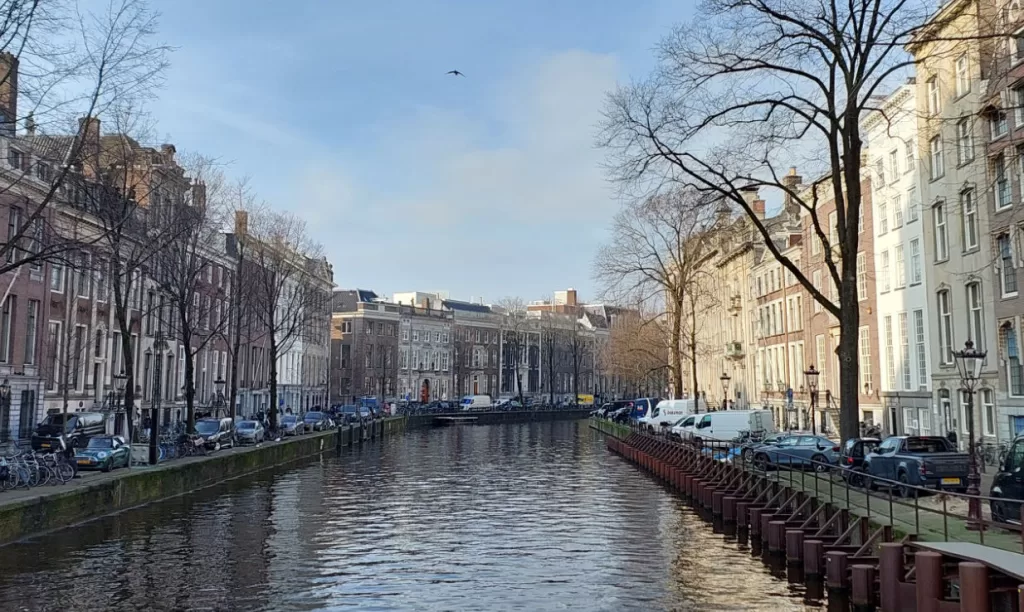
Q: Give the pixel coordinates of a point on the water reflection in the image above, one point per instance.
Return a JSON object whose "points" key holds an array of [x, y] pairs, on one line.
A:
{"points": [[507, 517]]}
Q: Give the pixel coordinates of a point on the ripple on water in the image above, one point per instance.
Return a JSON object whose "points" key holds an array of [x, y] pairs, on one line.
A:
{"points": [[509, 517]]}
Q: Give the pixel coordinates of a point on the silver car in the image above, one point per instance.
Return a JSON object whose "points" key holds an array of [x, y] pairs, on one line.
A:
{"points": [[292, 425], [249, 432]]}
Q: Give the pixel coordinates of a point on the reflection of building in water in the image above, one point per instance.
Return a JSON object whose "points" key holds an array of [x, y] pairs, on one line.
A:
{"points": [[247, 531]]}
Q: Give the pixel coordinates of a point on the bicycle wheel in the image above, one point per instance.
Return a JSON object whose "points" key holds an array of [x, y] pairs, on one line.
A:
{"points": [[65, 471]]}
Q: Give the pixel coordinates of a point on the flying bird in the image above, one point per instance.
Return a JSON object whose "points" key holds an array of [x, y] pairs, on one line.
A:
{"points": [[455, 72]]}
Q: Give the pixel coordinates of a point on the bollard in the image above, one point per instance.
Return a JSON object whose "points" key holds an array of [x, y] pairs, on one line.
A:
{"points": [[766, 518], [862, 586], [835, 570], [755, 523], [742, 520], [716, 502], [890, 573], [814, 551], [1020, 595], [973, 586], [776, 535], [928, 574], [687, 484], [794, 545], [729, 509]]}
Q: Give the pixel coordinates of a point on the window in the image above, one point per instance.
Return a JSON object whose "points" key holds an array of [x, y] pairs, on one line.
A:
{"points": [[976, 320], [13, 226], [883, 218], [405, 334], [963, 76], [865, 358], [444, 362], [83, 275], [905, 350], [1001, 182], [897, 211], [815, 241], [1018, 95], [938, 164], [369, 355], [32, 324], [945, 328], [964, 142], [915, 261], [890, 357], [1014, 367], [415, 335], [970, 220], [1008, 275], [7, 330], [102, 268], [909, 146], [934, 98], [880, 170], [988, 413], [816, 282], [885, 272], [922, 350], [833, 229], [901, 268], [911, 205], [941, 237], [1017, 46], [862, 277], [894, 164], [819, 350], [15, 158], [997, 123], [57, 278], [944, 404]]}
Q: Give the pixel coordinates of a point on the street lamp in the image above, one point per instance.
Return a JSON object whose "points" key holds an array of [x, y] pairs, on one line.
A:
{"points": [[725, 378], [812, 384], [968, 365], [218, 399]]}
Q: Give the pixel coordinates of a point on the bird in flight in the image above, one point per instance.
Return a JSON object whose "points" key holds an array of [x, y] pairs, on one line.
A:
{"points": [[455, 73]]}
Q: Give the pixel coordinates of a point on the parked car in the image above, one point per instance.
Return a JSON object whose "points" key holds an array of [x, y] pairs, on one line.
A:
{"points": [[103, 453], [348, 414], [851, 459], [316, 421], [772, 439], [643, 406], [79, 428], [1008, 485], [364, 413], [622, 415], [725, 425], [291, 425], [475, 402], [216, 433], [816, 452], [252, 432], [922, 461]]}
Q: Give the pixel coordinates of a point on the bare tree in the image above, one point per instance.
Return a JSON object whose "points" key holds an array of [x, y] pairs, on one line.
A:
{"points": [[552, 340], [284, 300], [637, 353], [654, 257], [747, 86], [182, 269], [515, 337], [82, 65]]}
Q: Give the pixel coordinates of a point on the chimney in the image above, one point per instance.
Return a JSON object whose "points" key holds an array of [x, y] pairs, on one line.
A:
{"points": [[570, 297], [791, 181], [8, 93], [758, 207], [30, 124], [168, 150], [199, 194], [241, 222], [89, 132]]}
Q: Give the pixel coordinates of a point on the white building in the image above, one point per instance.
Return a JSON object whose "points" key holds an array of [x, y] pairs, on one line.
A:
{"points": [[902, 295]]}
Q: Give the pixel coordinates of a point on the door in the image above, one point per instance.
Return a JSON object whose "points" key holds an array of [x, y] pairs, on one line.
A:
{"points": [[806, 447], [783, 452]]}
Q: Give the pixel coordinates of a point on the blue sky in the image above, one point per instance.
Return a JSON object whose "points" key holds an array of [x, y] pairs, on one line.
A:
{"points": [[483, 186]]}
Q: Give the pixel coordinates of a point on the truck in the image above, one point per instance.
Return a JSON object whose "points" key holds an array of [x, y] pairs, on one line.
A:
{"points": [[916, 461]]}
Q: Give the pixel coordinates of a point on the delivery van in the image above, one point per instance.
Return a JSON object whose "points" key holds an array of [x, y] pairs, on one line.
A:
{"points": [[724, 425], [668, 412]]}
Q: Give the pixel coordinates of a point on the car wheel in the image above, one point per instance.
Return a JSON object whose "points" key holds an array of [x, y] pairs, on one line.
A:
{"points": [[107, 466], [997, 512], [216, 446], [820, 464], [856, 479], [904, 488], [748, 455], [761, 462]]}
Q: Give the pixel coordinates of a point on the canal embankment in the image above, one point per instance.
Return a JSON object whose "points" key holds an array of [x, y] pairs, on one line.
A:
{"points": [[27, 512]]}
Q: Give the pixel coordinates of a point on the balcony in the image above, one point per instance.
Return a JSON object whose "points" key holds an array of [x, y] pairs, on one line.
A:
{"points": [[734, 350], [735, 303]]}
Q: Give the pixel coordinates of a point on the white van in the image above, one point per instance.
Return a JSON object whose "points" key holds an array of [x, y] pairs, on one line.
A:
{"points": [[725, 425], [476, 402], [668, 412]]}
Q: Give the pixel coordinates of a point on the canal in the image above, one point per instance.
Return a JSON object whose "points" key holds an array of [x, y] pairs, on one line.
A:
{"points": [[506, 517]]}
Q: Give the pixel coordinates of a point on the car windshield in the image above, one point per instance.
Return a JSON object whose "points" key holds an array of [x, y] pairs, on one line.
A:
{"points": [[313, 416], [101, 443], [288, 420], [245, 425], [58, 420], [207, 427], [927, 445]]}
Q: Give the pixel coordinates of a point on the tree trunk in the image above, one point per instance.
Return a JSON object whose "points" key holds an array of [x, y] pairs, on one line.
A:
{"points": [[273, 381], [236, 345], [677, 349]]}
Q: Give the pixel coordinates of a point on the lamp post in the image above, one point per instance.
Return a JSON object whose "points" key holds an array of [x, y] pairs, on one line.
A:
{"points": [[725, 378], [811, 375], [218, 398], [968, 365], [5, 404]]}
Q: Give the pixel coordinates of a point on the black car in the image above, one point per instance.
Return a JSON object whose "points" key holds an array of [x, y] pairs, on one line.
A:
{"points": [[622, 414], [216, 433], [1008, 485], [851, 458], [317, 421], [80, 426]]}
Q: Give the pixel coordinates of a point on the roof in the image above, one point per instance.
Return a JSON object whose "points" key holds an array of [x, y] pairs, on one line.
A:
{"points": [[597, 321], [365, 295], [465, 306]]}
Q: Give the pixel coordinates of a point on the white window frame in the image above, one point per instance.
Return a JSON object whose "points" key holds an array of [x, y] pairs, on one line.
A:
{"points": [[962, 68], [969, 213], [934, 96], [922, 349], [900, 263], [941, 231], [945, 319], [964, 141], [862, 277], [885, 272], [937, 158], [915, 262]]}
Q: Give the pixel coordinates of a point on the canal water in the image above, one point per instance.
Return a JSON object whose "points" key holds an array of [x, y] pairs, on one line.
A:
{"points": [[528, 517]]}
